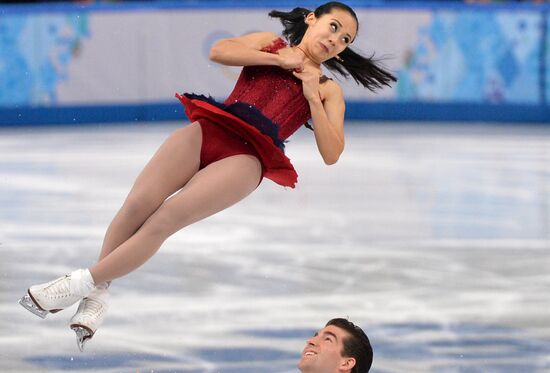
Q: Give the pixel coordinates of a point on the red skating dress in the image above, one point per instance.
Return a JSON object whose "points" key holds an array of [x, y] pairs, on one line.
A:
{"points": [[266, 106]]}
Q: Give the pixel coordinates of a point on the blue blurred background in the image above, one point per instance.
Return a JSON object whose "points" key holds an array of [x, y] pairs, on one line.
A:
{"points": [[90, 61]]}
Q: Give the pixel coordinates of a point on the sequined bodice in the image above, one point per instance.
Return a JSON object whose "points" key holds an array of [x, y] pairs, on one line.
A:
{"points": [[275, 92]]}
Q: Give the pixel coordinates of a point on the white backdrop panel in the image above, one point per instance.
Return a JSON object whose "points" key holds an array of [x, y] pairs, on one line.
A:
{"points": [[136, 57]]}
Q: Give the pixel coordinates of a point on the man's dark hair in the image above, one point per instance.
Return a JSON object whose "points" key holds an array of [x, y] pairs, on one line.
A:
{"points": [[356, 345]]}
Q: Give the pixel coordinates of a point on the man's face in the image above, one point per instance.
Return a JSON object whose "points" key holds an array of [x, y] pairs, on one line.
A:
{"points": [[322, 353]]}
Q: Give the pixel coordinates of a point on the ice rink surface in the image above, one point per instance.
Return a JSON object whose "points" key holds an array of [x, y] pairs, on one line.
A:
{"points": [[435, 238]]}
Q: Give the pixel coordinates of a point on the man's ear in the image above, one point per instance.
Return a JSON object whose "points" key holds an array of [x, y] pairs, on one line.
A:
{"points": [[347, 364]]}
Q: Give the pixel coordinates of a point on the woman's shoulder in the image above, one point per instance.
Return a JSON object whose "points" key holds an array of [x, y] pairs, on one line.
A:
{"points": [[329, 83], [330, 88]]}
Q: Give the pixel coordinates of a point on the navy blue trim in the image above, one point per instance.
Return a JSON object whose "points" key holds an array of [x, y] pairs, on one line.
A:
{"points": [[355, 110], [467, 112], [543, 61], [50, 7], [91, 114]]}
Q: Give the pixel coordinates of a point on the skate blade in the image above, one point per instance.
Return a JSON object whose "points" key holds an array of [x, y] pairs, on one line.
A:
{"points": [[27, 302], [83, 335]]}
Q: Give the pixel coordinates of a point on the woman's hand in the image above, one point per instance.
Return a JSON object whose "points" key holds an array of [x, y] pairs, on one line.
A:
{"points": [[310, 83], [290, 59]]}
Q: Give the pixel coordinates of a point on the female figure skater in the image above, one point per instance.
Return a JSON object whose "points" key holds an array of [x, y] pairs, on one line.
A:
{"points": [[234, 144]]}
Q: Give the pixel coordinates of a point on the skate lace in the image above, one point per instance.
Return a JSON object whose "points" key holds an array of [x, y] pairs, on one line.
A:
{"points": [[92, 308], [58, 288]]}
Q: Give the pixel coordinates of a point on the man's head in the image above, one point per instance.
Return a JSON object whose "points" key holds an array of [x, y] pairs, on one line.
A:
{"points": [[340, 347]]}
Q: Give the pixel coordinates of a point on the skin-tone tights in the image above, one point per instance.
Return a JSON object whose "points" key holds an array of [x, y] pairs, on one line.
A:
{"points": [[156, 208]]}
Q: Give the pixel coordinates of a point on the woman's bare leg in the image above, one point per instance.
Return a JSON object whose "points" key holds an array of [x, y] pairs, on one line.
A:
{"points": [[172, 166], [211, 190]]}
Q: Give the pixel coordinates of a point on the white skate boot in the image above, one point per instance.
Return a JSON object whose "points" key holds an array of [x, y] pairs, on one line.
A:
{"points": [[58, 294], [90, 315]]}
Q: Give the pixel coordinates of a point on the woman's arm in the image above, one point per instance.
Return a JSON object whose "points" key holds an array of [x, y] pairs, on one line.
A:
{"points": [[327, 115], [246, 51], [328, 124]]}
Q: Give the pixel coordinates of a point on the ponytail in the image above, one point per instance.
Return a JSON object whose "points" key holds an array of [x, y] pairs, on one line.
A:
{"points": [[293, 23], [365, 71]]}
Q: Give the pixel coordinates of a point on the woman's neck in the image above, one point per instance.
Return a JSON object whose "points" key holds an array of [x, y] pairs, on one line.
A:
{"points": [[308, 56]]}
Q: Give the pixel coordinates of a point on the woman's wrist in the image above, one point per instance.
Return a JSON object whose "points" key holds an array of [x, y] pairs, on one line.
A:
{"points": [[278, 60]]}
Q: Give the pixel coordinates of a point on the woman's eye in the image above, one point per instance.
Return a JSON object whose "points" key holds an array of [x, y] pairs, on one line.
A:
{"points": [[334, 26], [346, 40]]}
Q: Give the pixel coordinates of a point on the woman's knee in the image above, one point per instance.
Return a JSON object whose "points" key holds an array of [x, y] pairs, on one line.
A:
{"points": [[139, 205], [160, 225]]}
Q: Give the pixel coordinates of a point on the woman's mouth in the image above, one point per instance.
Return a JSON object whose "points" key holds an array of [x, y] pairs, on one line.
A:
{"points": [[324, 47]]}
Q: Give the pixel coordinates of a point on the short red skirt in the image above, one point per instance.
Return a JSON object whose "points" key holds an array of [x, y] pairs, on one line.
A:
{"points": [[269, 149]]}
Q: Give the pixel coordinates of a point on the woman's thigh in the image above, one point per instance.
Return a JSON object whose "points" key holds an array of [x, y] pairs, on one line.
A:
{"points": [[212, 189], [171, 167]]}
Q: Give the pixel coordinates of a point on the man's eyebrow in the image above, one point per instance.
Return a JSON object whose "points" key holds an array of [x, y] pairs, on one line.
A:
{"points": [[330, 334]]}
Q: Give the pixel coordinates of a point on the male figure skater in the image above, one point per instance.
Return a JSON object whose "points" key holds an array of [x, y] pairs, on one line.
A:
{"points": [[340, 347]]}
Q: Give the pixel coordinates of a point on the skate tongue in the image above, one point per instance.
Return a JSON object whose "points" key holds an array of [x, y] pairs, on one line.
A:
{"points": [[103, 285], [81, 282]]}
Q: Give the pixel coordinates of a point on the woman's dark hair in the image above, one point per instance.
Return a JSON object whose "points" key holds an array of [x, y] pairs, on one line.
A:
{"points": [[363, 70], [356, 345]]}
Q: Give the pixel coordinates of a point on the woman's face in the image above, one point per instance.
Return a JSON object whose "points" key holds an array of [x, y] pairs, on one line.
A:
{"points": [[329, 34]]}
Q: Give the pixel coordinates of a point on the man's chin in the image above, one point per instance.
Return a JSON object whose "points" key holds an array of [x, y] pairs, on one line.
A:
{"points": [[305, 365]]}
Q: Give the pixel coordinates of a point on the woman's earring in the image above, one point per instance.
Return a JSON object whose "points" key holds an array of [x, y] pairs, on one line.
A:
{"points": [[339, 59]]}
